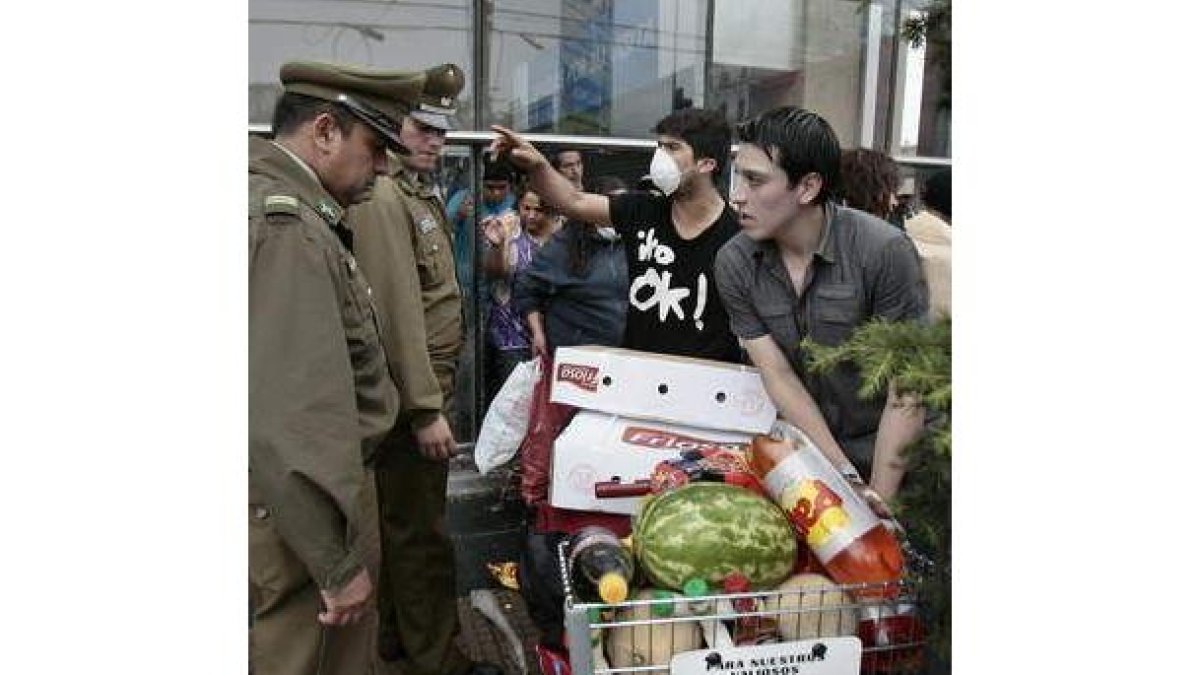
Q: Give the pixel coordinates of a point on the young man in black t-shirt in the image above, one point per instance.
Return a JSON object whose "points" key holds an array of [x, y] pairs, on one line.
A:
{"points": [[670, 241]]}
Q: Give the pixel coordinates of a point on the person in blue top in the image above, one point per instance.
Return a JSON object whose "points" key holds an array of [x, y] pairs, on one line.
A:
{"points": [[574, 291], [498, 198]]}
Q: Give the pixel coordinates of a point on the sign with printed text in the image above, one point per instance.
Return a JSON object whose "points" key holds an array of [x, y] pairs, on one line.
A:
{"points": [[820, 656]]}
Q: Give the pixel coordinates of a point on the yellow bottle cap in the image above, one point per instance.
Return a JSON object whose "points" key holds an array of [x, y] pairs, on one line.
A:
{"points": [[613, 588]]}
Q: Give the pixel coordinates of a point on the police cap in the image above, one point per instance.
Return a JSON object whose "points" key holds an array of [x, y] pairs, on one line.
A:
{"points": [[438, 99], [380, 98]]}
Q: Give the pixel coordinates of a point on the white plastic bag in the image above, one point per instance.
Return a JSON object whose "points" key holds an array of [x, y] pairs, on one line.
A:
{"points": [[507, 418]]}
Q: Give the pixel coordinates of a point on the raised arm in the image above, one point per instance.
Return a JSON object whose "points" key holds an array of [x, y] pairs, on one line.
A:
{"points": [[548, 183]]}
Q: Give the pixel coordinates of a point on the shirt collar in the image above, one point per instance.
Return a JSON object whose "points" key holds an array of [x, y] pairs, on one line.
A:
{"points": [[766, 253], [313, 194], [303, 165], [329, 209], [412, 182], [827, 246]]}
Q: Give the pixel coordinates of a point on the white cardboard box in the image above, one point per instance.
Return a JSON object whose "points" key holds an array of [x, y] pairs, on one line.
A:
{"points": [[597, 447], [676, 389]]}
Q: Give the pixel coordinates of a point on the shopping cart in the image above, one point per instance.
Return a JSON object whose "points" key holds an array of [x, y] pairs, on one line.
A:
{"points": [[881, 615]]}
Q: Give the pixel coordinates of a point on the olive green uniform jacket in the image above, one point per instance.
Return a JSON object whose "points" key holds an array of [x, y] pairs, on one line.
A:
{"points": [[320, 394], [404, 243], [406, 253]]}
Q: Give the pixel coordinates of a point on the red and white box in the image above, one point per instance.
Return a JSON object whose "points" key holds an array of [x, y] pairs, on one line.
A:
{"points": [[598, 447], [675, 389]]}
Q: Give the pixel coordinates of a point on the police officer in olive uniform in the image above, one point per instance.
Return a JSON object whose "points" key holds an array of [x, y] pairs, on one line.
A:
{"points": [[320, 393], [408, 256]]}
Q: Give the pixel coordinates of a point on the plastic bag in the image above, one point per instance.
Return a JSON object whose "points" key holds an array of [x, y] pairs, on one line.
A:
{"points": [[547, 419], [507, 418]]}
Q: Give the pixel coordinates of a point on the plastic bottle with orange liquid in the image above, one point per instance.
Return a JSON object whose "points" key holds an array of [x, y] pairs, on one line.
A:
{"points": [[848, 539]]}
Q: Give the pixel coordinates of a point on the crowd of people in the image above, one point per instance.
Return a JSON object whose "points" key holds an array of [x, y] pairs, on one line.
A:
{"points": [[358, 270]]}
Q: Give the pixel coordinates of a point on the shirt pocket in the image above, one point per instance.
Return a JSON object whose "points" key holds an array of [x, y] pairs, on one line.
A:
{"points": [[780, 320], [836, 312], [434, 258]]}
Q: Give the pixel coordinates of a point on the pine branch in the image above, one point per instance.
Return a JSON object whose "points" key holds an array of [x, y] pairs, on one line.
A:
{"points": [[914, 357]]}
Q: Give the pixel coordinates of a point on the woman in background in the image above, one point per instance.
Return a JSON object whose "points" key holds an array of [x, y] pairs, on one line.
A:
{"points": [[575, 291], [512, 239], [870, 181]]}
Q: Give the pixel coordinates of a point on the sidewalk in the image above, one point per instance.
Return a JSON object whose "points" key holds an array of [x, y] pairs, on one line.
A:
{"points": [[485, 525], [482, 641]]}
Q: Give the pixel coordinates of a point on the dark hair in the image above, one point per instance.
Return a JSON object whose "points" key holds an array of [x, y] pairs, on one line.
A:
{"points": [[608, 184], [581, 238], [498, 170], [524, 189], [799, 142], [869, 179], [556, 162], [292, 110], [936, 191], [706, 131]]}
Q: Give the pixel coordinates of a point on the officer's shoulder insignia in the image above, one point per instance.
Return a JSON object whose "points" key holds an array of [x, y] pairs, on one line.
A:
{"points": [[329, 212], [286, 204], [426, 223]]}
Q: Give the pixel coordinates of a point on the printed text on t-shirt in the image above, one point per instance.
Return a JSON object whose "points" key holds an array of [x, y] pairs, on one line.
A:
{"points": [[668, 300]]}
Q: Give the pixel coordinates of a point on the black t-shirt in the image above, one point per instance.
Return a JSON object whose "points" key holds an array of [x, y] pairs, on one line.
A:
{"points": [[674, 307]]}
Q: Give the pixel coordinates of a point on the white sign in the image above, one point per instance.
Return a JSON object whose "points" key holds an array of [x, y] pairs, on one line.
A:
{"points": [[819, 656]]}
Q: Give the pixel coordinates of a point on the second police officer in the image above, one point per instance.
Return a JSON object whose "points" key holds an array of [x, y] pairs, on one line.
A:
{"points": [[408, 256]]}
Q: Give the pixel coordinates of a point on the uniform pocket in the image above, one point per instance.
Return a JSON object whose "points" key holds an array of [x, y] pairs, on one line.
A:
{"points": [[360, 318], [275, 571], [434, 258]]}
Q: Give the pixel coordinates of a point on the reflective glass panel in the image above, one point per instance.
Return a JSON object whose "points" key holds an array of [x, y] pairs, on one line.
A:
{"points": [[593, 67], [406, 35]]}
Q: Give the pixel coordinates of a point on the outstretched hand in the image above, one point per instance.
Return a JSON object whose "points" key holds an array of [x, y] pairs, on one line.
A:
{"points": [[493, 230], [519, 151]]}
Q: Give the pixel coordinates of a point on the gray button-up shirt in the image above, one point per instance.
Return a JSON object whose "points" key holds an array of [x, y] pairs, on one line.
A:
{"points": [[863, 268]]}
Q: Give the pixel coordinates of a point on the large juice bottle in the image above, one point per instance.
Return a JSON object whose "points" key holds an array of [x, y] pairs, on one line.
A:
{"points": [[839, 527], [601, 567]]}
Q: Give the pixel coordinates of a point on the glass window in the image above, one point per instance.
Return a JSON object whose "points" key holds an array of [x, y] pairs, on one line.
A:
{"points": [[377, 33], [809, 53], [922, 91], [592, 67]]}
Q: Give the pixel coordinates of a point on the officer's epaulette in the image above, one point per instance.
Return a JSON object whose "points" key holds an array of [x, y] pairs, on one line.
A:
{"points": [[282, 204]]}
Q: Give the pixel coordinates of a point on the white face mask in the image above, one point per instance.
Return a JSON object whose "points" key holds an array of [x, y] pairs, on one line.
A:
{"points": [[664, 172], [607, 233]]}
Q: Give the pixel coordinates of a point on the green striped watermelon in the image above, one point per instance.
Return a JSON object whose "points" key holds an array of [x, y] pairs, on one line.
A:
{"points": [[709, 530]]}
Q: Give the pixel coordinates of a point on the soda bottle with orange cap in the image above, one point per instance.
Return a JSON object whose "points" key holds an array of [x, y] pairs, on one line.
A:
{"points": [[841, 530], [600, 566]]}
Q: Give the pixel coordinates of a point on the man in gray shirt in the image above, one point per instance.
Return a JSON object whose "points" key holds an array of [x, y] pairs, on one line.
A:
{"points": [[802, 266]]}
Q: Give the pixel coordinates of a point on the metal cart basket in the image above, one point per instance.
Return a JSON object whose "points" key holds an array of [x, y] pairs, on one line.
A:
{"points": [[648, 638]]}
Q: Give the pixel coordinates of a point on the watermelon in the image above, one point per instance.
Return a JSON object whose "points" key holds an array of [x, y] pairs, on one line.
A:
{"points": [[710, 530]]}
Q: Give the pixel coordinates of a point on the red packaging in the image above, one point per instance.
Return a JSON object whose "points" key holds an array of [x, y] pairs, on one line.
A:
{"points": [[892, 638], [551, 662], [552, 519], [547, 419]]}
